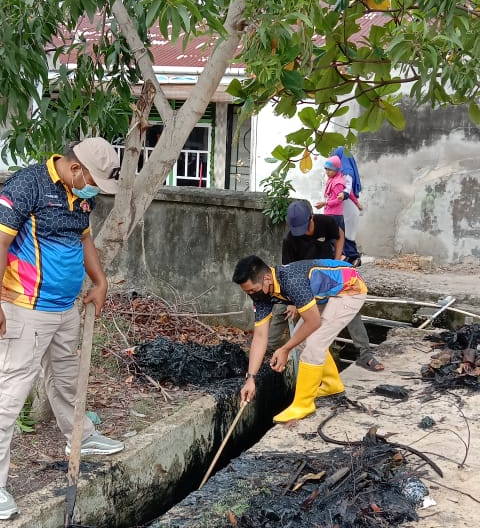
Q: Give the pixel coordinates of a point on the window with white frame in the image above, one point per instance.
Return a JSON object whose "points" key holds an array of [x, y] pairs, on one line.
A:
{"points": [[193, 165]]}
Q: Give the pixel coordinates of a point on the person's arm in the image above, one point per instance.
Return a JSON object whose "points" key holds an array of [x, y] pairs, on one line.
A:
{"points": [[336, 191], [255, 360], [311, 322], [95, 271], [339, 244], [5, 241], [354, 199]]}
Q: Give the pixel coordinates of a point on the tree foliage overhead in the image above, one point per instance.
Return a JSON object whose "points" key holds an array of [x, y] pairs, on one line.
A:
{"points": [[303, 55], [315, 64]]}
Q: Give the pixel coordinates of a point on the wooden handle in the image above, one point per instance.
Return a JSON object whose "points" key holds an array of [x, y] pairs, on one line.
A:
{"points": [[224, 443], [79, 413]]}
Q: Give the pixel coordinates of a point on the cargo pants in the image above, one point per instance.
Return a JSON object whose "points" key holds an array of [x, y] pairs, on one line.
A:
{"points": [[37, 340], [278, 333]]}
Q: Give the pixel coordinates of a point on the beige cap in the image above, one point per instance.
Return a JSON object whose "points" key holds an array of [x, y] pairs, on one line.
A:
{"points": [[101, 159]]}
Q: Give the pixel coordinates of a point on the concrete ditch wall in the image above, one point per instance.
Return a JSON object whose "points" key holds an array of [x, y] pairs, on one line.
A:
{"points": [[189, 243], [161, 464]]}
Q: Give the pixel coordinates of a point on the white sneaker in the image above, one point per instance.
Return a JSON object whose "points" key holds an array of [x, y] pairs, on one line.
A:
{"points": [[97, 444], [8, 508]]}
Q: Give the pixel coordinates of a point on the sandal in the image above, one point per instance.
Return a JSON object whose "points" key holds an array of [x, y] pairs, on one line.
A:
{"points": [[369, 362]]}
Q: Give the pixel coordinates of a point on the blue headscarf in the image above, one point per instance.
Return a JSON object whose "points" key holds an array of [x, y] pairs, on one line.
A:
{"points": [[349, 166]]}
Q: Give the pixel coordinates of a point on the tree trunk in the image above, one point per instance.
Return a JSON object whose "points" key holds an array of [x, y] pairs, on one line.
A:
{"points": [[138, 191]]}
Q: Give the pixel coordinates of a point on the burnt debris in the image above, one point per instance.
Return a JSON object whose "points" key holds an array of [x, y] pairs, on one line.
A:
{"points": [[392, 391], [370, 485], [190, 363], [457, 362]]}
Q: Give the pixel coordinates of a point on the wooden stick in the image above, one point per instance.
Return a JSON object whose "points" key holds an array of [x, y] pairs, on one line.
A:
{"points": [[79, 414], [225, 440], [173, 314]]}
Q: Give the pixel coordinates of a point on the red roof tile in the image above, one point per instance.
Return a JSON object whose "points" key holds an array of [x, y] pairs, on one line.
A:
{"points": [[198, 49]]}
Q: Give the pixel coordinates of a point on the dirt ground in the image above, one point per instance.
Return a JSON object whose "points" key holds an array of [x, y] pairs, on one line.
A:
{"points": [[125, 403], [410, 278]]}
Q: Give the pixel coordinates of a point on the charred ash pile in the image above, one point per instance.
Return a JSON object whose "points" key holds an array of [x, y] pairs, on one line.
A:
{"points": [[190, 363], [457, 362], [370, 485]]}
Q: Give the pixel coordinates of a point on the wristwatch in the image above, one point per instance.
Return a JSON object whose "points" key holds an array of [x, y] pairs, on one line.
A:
{"points": [[248, 375]]}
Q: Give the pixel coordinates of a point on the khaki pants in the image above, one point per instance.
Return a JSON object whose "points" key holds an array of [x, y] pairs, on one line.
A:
{"points": [[37, 340], [279, 334], [336, 315]]}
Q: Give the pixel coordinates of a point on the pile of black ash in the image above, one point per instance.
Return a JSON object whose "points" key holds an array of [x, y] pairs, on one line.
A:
{"points": [[190, 363], [369, 486], [457, 363]]}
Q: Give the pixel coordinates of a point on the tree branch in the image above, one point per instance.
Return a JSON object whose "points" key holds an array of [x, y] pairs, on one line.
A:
{"points": [[143, 59], [115, 228], [214, 70], [171, 141]]}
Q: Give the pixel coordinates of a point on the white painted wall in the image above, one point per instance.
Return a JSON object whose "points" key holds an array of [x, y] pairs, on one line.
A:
{"points": [[268, 131]]}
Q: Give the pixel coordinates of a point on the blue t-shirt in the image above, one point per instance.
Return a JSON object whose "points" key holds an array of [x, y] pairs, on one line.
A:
{"points": [[45, 267]]}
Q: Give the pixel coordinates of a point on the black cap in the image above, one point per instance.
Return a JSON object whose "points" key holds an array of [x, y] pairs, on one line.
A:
{"points": [[298, 217]]}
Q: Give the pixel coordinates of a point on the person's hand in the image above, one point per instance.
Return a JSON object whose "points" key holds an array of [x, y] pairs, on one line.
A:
{"points": [[279, 359], [291, 312], [96, 295], [360, 207], [247, 393], [341, 196], [3, 323], [319, 205]]}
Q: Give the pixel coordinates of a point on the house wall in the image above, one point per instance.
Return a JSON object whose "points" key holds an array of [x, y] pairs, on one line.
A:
{"points": [[189, 243], [421, 185], [268, 131]]}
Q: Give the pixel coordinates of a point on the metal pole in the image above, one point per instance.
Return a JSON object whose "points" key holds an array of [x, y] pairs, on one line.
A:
{"points": [[295, 352], [450, 301], [419, 303]]}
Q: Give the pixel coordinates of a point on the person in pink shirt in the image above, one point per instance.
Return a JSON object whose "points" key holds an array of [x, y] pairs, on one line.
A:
{"points": [[333, 204]]}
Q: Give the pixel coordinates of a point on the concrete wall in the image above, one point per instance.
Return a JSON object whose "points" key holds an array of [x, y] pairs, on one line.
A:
{"points": [[422, 191], [189, 243]]}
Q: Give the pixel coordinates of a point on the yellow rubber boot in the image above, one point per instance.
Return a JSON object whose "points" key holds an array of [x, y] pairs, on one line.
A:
{"points": [[308, 379], [331, 381]]}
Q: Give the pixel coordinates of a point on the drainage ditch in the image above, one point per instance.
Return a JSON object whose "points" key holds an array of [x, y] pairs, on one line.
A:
{"points": [[381, 319], [169, 459]]}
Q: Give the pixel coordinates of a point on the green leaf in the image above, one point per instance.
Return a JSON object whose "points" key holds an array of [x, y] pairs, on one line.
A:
{"points": [[341, 111], [182, 11], [474, 112], [292, 151], [287, 106], [153, 13], [375, 119], [235, 88], [300, 137], [309, 117], [280, 153], [328, 141], [293, 81], [394, 115]]}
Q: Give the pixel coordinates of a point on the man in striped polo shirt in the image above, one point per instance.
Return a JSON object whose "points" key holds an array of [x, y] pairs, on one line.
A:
{"points": [[45, 249], [305, 285]]}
